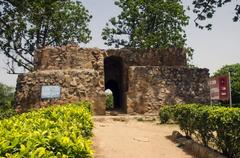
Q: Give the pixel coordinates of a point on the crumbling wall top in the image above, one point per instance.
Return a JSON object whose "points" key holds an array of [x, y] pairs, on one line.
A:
{"points": [[68, 57], [74, 57], [151, 57]]}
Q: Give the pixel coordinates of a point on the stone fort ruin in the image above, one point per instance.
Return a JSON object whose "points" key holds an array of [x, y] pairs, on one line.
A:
{"points": [[142, 80]]}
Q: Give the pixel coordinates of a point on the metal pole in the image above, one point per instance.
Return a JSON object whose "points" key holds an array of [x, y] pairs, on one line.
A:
{"points": [[230, 89], [209, 84]]}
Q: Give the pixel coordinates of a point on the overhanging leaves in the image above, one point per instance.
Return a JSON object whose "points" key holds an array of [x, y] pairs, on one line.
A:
{"points": [[29, 25]]}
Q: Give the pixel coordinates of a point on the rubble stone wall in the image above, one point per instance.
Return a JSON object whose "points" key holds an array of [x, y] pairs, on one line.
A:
{"points": [[69, 57], [76, 85], [79, 72], [74, 57], [150, 78], [152, 87], [151, 57]]}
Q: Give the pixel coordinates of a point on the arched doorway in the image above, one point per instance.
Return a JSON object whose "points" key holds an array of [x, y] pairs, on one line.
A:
{"points": [[114, 80]]}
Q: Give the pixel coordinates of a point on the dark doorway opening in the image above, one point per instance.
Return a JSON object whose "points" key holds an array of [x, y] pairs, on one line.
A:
{"points": [[114, 87], [114, 80]]}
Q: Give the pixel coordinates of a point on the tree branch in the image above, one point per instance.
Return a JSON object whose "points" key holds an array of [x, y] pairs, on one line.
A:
{"points": [[16, 61], [204, 9], [20, 54]]}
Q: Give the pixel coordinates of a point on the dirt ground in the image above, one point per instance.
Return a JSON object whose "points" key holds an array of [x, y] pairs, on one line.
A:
{"points": [[134, 139]]}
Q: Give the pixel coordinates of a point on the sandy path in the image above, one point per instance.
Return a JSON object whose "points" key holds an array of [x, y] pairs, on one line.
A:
{"points": [[134, 139]]}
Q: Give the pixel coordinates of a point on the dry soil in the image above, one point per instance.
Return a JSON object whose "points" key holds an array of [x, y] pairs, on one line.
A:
{"points": [[134, 139]]}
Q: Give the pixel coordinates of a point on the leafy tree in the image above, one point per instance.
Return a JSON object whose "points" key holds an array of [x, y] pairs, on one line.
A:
{"points": [[205, 9], [6, 102], [28, 25], [147, 24], [234, 69], [6, 96]]}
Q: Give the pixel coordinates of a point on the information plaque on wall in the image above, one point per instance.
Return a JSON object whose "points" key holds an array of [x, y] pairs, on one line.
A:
{"points": [[50, 92]]}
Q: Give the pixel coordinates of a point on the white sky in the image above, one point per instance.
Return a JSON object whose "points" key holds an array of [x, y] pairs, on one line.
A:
{"points": [[213, 49]]}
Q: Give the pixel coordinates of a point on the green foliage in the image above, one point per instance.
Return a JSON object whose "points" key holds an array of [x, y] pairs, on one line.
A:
{"points": [[6, 99], [166, 113], [6, 96], [184, 116], [202, 126], [26, 25], [109, 102], [234, 69], [147, 24], [215, 124], [206, 9], [59, 131], [226, 121], [7, 113], [193, 119], [87, 105]]}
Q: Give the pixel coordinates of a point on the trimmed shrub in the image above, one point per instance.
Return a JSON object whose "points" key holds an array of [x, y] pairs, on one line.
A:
{"points": [[215, 124], [184, 115], [166, 114], [202, 127], [59, 131], [226, 123]]}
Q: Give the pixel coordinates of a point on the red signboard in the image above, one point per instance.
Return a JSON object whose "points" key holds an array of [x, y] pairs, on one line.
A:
{"points": [[224, 87], [219, 88]]}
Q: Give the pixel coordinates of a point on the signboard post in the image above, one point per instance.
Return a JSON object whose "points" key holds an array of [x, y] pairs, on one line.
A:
{"points": [[220, 88], [224, 88], [230, 89]]}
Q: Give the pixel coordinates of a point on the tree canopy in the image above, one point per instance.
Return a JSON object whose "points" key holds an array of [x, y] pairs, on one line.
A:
{"points": [[234, 69], [27, 25], [147, 24], [205, 9]]}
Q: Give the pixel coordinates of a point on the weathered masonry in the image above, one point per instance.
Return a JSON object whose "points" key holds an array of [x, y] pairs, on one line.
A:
{"points": [[141, 80]]}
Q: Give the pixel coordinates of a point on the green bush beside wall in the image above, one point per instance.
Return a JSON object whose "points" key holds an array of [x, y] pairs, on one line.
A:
{"points": [[7, 113], [53, 132], [215, 124]]}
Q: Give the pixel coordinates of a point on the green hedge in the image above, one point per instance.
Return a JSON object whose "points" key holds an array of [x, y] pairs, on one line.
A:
{"points": [[210, 124], [59, 131], [7, 113], [166, 114]]}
